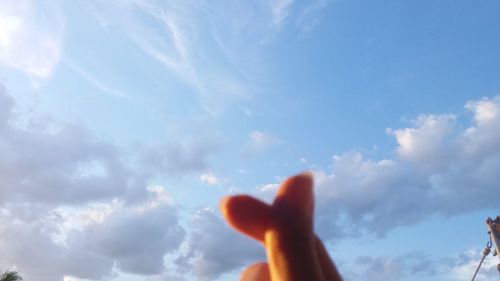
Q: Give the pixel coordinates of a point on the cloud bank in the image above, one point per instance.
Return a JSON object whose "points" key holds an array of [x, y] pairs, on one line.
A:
{"points": [[72, 204], [81, 208], [439, 168]]}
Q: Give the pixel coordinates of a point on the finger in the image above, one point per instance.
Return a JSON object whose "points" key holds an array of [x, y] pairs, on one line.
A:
{"points": [[294, 203], [247, 215], [290, 242], [256, 272], [327, 266]]}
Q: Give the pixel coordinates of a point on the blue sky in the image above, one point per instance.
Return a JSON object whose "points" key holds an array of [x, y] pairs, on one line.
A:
{"points": [[122, 124]]}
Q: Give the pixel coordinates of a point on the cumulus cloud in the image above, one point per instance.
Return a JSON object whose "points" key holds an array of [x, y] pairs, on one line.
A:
{"points": [[438, 168], [178, 157], [464, 266], [30, 247], [72, 205], [427, 141], [412, 264], [49, 169], [222, 251], [136, 239], [60, 163], [419, 266], [53, 162], [31, 36], [132, 239], [209, 179]]}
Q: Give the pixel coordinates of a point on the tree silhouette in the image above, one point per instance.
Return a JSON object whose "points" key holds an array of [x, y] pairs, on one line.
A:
{"points": [[10, 276]]}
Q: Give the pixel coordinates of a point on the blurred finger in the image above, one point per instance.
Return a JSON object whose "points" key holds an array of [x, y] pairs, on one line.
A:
{"points": [[294, 203], [247, 214], [290, 242], [256, 272], [327, 266]]}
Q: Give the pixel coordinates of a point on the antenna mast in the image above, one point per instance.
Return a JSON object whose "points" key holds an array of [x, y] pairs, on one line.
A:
{"points": [[494, 233]]}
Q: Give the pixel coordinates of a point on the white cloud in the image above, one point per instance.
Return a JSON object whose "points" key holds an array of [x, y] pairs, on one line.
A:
{"points": [[258, 142], [267, 191], [60, 163], [172, 38], [31, 36], [439, 168], [89, 243], [181, 157], [213, 49], [94, 81], [465, 265], [426, 145], [76, 203], [145, 236], [310, 15], [378, 268], [376, 196], [280, 10], [485, 110], [224, 250], [209, 179], [261, 139], [55, 162], [8, 26], [419, 266]]}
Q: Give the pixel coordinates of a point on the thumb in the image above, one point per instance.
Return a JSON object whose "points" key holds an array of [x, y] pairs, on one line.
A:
{"points": [[290, 240]]}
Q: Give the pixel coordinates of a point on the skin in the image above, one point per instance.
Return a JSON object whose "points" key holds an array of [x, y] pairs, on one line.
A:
{"points": [[285, 229]]}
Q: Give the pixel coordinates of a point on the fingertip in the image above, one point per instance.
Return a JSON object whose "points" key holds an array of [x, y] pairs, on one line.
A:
{"points": [[256, 272], [247, 214], [308, 174], [223, 203], [230, 206], [296, 191], [302, 180]]}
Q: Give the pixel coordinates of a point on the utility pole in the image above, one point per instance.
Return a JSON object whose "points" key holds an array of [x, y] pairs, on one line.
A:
{"points": [[493, 226]]}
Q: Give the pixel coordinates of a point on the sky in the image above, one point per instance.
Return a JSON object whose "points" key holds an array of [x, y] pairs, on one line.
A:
{"points": [[123, 123]]}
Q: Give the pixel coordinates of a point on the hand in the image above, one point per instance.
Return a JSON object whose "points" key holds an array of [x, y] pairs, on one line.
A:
{"points": [[285, 228]]}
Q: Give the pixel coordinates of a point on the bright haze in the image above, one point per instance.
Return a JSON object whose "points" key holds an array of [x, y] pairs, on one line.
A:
{"points": [[123, 123]]}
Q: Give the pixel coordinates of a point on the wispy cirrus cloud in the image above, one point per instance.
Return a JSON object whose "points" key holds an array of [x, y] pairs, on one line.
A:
{"points": [[174, 40], [94, 81], [214, 49], [280, 10], [258, 142], [310, 16]]}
